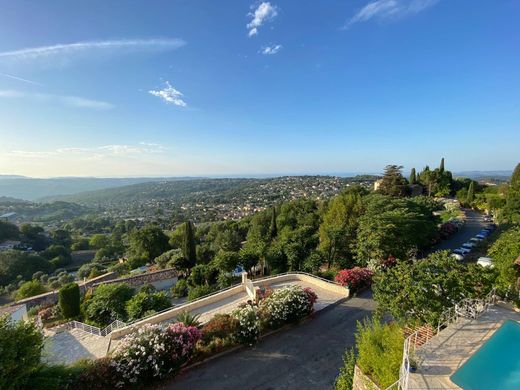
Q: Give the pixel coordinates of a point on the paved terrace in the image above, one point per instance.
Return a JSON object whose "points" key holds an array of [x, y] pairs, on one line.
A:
{"points": [[444, 354]]}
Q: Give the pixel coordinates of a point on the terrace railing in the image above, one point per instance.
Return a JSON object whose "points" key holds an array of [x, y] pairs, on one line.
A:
{"points": [[94, 329], [467, 308]]}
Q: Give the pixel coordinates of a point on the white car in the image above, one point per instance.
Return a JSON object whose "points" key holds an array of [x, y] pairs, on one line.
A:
{"points": [[469, 245], [485, 261], [476, 239], [463, 251]]}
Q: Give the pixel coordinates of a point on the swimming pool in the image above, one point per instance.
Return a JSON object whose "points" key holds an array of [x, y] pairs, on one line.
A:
{"points": [[496, 365]]}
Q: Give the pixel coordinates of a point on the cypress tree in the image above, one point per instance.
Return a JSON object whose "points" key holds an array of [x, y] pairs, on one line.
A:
{"points": [[189, 249], [273, 229], [515, 178], [471, 193], [441, 167], [68, 300], [413, 177]]}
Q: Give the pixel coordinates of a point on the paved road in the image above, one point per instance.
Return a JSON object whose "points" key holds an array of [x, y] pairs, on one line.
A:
{"points": [[474, 224], [305, 357]]}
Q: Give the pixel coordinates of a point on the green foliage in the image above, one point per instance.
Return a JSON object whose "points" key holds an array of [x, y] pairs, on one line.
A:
{"points": [[226, 261], [422, 290], [199, 291], [98, 241], [504, 251], [69, 299], [146, 302], [21, 344], [189, 249], [413, 177], [58, 252], [180, 289], [8, 231], [108, 303], [393, 183], [380, 351], [393, 227], [30, 289], [88, 270], [471, 194], [147, 243], [61, 237], [169, 259], [189, 319], [202, 274], [346, 373], [15, 263]]}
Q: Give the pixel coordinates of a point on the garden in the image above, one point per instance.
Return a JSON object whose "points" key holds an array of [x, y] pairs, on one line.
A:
{"points": [[154, 352]]}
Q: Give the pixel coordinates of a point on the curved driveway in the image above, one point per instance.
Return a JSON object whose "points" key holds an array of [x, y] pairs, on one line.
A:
{"points": [[307, 356], [474, 224]]}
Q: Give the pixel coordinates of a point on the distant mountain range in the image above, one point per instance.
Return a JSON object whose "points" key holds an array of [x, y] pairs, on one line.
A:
{"points": [[504, 175]]}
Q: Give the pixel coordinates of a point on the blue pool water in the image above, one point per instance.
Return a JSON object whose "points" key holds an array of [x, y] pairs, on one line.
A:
{"points": [[496, 365]]}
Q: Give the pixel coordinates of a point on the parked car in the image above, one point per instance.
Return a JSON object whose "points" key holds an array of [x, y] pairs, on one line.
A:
{"points": [[469, 245], [485, 261], [462, 251], [481, 236], [476, 239]]}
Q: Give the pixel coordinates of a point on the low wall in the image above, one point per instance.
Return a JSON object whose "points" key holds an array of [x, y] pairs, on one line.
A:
{"points": [[326, 285], [51, 297], [362, 381], [171, 314], [160, 279]]}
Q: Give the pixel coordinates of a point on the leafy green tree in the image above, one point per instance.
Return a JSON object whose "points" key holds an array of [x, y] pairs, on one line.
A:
{"points": [[338, 231], [148, 243], [504, 251], [202, 274], [189, 249], [21, 344], [421, 290], [68, 300], [393, 183], [226, 261], [30, 289], [169, 259], [87, 269], [98, 241], [108, 303], [512, 206], [61, 237], [273, 229], [33, 236], [8, 231], [144, 303], [180, 289], [346, 373], [15, 263], [199, 291]]}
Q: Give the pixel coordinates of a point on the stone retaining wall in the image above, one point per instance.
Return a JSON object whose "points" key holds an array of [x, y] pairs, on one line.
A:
{"points": [[362, 381], [156, 277]]}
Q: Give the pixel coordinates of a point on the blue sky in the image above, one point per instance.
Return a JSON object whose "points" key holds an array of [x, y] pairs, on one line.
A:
{"points": [[133, 88]]}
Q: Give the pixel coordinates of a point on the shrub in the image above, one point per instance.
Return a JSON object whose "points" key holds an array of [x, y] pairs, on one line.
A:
{"points": [[199, 291], [108, 303], [380, 348], [287, 305], [144, 302], [180, 289], [346, 373], [88, 270], [97, 374], [248, 325], [189, 319], [30, 289], [21, 344], [154, 352], [354, 278], [220, 326], [68, 299]]}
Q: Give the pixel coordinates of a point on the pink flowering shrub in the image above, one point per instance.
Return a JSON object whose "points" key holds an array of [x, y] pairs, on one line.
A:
{"points": [[354, 278], [154, 352]]}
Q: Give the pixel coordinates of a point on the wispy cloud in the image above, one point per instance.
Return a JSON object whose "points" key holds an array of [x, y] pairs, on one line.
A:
{"points": [[270, 50], [71, 49], [170, 95], [93, 153], [71, 101], [263, 13], [385, 9], [13, 77]]}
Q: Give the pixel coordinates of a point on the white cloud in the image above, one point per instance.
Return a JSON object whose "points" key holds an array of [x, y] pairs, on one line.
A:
{"points": [[70, 49], [269, 50], [10, 76], [71, 101], [384, 9], [263, 13], [170, 95]]}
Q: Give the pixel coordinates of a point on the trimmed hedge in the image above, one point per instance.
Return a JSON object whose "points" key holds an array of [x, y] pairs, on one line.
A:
{"points": [[68, 299]]}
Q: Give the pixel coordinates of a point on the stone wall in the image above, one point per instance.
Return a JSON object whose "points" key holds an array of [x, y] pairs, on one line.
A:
{"points": [[51, 297], [157, 278], [362, 381]]}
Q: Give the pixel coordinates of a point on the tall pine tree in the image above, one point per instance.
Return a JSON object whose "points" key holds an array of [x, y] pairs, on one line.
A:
{"points": [[441, 167], [189, 249], [413, 177], [273, 229], [471, 193]]}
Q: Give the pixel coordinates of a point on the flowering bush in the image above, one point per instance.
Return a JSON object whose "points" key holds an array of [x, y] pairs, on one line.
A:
{"points": [[248, 326], [354, 278], [154, 351], [287, 305], [220, 326]]}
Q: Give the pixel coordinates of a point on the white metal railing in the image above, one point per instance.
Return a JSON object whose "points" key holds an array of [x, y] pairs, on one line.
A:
{"points": [[467, 308], [94, 329], [295, 272]]}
